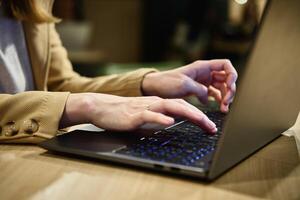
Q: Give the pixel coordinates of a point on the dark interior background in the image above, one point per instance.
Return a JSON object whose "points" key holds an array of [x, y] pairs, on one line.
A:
{"points": [[114, 36]]}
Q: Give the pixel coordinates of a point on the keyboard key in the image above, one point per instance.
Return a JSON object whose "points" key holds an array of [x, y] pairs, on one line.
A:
{"points": [[184, 143]]}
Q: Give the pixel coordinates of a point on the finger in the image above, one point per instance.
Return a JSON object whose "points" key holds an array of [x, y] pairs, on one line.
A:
{"points": [[222, 72], [225, 105], [174, 108], [231, 99], [219, 76], [215, 93], [181, 101], [222, 88], [229, 94], [228, 99], [190, 106], [225, 65], [226, 96], [224, 108], [148, 116]]}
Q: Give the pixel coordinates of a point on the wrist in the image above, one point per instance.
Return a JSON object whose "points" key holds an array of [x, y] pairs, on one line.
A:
{"points": [[148, 84], [76, 110]]}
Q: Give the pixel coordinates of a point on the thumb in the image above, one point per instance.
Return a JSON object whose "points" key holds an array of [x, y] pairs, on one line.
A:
{"points": [[200, 91]]}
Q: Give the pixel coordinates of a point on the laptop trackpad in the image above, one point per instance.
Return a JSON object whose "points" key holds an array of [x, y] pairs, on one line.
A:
{"points": [[104, 141]]}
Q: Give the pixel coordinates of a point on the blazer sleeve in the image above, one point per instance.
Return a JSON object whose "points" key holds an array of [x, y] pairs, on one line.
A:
{"points": [[62, 77], [30, 117]]}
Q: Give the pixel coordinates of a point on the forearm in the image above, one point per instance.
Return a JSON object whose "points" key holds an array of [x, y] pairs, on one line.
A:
{"points": [[127, 84]]}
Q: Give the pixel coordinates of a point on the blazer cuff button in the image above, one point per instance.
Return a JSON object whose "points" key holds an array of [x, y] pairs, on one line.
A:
{"points": [[30, 126], [10, 129]]}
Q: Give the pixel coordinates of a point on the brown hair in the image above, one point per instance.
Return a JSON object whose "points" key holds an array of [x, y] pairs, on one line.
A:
{"points": [[29, 10]]}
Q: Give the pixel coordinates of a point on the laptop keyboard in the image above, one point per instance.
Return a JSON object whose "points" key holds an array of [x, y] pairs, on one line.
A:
{"points": [[184, 143]]}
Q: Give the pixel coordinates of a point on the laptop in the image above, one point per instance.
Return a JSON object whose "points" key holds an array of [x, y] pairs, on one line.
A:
{"points": [[267, 103]]}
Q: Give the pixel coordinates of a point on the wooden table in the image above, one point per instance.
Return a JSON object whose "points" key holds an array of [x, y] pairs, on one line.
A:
{"points": [[29, 172]]}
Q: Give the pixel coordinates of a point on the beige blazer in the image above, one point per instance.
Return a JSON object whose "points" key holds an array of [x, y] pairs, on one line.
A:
{"points": [[33, 116]]}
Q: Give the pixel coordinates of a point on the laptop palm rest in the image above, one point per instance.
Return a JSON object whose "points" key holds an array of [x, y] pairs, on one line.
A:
{"points": [[103, 141]]}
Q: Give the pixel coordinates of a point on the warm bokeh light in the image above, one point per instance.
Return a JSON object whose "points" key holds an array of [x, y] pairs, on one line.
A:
{"points": [[241, 1]]}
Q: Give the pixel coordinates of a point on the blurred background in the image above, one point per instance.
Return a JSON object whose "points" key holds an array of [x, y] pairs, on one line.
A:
{"points": [[114, 36]]}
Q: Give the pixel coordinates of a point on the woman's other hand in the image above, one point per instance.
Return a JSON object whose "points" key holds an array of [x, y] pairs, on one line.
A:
{"points": [[201, 78]]}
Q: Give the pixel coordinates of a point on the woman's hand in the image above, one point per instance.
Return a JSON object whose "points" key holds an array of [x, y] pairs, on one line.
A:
{"points": [[201, 78], [128, 113]]}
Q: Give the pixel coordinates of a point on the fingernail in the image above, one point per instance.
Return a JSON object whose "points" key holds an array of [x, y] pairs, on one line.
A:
{"points": [[224, 108], [211, 124], [169, 120]]}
